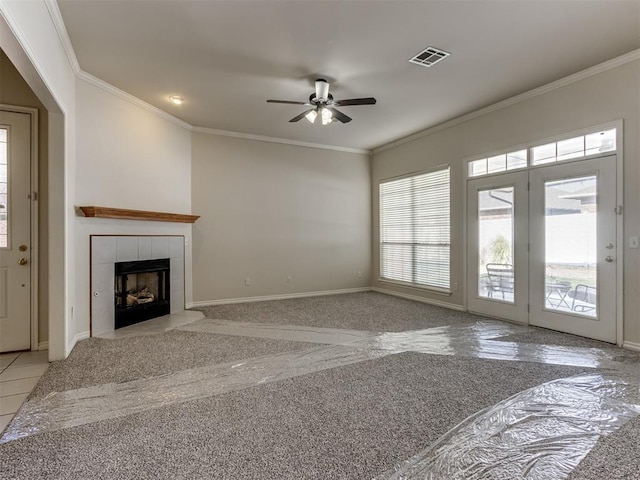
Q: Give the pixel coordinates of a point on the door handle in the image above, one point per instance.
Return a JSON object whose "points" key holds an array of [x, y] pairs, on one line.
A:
{"points": [[23, 261], [608, 258]]}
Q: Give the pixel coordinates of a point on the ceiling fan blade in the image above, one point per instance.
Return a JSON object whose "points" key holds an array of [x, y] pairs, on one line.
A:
{"points": [[288, 102], [297, 118], [338, 115], [355, 101]]}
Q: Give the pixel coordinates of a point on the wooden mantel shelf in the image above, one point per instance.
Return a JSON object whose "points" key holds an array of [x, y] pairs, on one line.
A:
{"points": [[121, 213]]}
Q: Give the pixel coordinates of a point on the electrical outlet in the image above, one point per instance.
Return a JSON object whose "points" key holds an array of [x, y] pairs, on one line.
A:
{"points": [[359, 274], [455, 286], [247, 282], [289, 280], [633, 242]]}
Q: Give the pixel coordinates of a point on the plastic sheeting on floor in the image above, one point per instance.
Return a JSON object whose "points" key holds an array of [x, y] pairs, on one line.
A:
{"points": [[73, 408], [538, 434], [87, 405]]}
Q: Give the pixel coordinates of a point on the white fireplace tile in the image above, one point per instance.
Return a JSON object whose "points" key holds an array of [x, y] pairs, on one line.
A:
{"points": [[177, 300], [103, 250], [176, 247], [102, 304], [144, 248], [110, 249], [159, 247], [177, 269], [126, 249], [177, 285]]}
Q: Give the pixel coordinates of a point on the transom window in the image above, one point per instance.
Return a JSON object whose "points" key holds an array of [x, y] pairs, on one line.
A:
{"points": [[567, 149], [415, 239]]}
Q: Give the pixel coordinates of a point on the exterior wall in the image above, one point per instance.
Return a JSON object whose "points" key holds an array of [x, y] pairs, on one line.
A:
{"points": [[604, 97]]}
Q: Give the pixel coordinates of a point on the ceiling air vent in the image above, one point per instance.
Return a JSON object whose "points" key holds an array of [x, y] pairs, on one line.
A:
{"points": [[429, 57]]}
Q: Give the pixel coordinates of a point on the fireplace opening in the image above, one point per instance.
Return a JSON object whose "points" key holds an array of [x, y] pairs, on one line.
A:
{"points": [[142, 291]]}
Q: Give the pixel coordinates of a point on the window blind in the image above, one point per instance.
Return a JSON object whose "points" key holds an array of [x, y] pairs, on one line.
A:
{"points": [[415, 234]]}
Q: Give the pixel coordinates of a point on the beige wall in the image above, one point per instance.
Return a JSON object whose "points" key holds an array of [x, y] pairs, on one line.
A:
{"points": [[613, 94], [15, 91], [270, 211]]}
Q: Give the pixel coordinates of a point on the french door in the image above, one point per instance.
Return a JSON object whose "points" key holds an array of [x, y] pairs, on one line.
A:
{"points": [[542, 247]]}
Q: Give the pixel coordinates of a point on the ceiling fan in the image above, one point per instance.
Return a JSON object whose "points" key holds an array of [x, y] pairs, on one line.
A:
{"points": [[323, 105]]}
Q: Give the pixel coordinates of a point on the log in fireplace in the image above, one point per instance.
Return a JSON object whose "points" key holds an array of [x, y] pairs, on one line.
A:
{"points": [[142, 291]]}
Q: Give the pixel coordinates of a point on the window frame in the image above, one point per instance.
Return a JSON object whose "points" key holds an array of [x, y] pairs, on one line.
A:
{"points": [[616, 125], [381, 243]]}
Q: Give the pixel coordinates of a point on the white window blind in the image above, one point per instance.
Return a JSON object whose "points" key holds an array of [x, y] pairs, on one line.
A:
{"points": [[415, 239]]}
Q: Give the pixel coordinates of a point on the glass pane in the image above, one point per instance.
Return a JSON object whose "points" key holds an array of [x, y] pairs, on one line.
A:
{"points": [[570, 246], [572, 148], [600, 142], [516, 160], [3, 134], [495, 244], [4, 227], [544, 154], [478, 167], [497, 163]]}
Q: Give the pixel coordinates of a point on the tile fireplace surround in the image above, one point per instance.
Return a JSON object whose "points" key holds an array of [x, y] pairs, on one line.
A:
{"points": [[106, 250]]}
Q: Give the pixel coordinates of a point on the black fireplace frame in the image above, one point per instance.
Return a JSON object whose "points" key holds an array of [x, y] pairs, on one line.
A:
{"points": [[130, 315]]}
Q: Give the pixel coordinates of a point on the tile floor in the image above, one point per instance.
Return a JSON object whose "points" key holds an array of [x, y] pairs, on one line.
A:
{"points": [[19, 373]]}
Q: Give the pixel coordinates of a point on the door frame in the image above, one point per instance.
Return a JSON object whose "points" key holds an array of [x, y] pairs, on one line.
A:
{"points": [[34, 271], [620, 240]]}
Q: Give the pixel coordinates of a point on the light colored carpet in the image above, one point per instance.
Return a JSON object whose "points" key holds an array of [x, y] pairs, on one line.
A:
{"points": [[98, 361], [358, 311], [615, 457], [351, 422], [355, 421]]}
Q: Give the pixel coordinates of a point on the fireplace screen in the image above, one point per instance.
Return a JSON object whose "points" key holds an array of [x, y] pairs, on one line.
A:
{"points": [[142, 291]]}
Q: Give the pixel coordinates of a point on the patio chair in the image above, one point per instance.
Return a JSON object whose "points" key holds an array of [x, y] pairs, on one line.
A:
{"points": [[500, 279], [584, 298]]}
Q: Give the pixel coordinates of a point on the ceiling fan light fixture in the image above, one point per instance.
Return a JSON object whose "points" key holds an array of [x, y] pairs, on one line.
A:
{"points": [[311, 116], [327, 116]]}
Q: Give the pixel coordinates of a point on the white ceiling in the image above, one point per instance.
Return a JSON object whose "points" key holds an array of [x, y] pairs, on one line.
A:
{"points": [[227, 57]]}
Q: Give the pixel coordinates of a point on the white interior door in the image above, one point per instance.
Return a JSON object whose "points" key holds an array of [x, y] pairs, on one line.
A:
{"points": [[573, 248], [497, 236], [15, 231]]}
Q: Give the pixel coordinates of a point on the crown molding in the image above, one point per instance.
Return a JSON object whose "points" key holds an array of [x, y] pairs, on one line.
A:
{"points": [[563, 82], [87, 77], [63, 35], [262, 138], [24, 45]]}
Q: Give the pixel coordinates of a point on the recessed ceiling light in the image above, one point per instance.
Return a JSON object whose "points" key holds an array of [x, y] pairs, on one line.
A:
{"points": [[178, 100]]}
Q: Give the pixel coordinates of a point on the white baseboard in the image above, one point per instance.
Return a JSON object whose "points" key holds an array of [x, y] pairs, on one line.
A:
{"points": [[631, 346], [284, 296], [43, 346], [416, 298], [76, 338]]}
